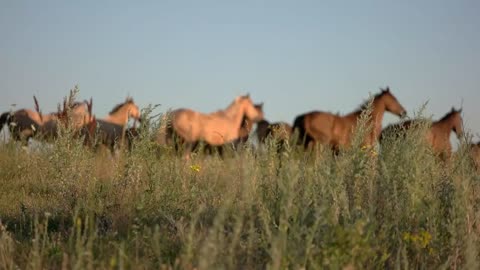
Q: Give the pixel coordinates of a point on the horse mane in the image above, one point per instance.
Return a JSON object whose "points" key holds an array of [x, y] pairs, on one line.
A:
{"points": [[235, 101], [120, 105], [366, 102], [448, 115]]}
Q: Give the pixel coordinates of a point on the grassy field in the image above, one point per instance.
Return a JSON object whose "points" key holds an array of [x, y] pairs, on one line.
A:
{"points": [[66, 207]]}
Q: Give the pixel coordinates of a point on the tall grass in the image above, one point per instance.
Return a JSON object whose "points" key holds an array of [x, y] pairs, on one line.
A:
{"points": [[398, 207]]}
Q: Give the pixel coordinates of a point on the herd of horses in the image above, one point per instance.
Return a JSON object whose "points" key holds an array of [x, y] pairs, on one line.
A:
{"points": [[231, 126]]}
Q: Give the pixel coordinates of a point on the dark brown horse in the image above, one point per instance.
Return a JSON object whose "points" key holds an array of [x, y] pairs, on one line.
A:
{"points": [[110, 131], [279, 131], [438, 135], [337, 131]]}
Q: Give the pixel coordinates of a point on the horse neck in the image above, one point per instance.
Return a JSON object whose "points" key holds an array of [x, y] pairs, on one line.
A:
{"points": [[375, 118], [245, 129], [232, 109], [235, 112], [378, 111], [119, 117], [445, 125]]}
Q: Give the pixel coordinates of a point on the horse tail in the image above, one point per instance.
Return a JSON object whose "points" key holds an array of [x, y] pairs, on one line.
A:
{"points": [[4, 119], [299, 127]]}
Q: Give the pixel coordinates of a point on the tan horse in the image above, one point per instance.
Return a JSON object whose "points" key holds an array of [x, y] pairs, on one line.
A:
{"points": [[215, 129], [110, 131], [438, 135], [243, 135], [23, 124], [337, 131], [78, 116], [247, 126]]}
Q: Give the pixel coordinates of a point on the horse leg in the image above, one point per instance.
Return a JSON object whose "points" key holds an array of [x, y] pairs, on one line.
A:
{"points": [[220, 151], [189, 148]]}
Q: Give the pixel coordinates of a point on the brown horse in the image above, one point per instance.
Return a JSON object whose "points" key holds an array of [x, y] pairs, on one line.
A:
{"points": [[280, 131], [23, 124], [438, 135], [110, 130], [337, 131], [475, 152], [215, 129]]}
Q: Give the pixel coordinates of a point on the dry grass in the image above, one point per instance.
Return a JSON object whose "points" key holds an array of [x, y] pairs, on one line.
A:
{"points": [[69, 208]]}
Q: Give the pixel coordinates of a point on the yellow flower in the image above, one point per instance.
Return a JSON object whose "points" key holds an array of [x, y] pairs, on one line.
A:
{"points": [[195, 168], [422, 239]]}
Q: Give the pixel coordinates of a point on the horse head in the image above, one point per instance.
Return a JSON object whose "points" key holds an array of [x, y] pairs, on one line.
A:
{"points": [[391, 103], [456, 121]]}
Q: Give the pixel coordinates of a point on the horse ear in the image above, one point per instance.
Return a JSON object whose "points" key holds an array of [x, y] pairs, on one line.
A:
{"points": [[387, 89], [248, 95], [37, 108], [90, 106]]}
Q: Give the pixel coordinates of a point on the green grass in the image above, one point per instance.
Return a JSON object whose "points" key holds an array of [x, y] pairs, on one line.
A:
{"points": [[67, 207]]}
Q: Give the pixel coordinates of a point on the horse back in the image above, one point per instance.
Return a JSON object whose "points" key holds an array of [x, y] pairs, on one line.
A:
{"points": [[321, 125], [186, 123]]}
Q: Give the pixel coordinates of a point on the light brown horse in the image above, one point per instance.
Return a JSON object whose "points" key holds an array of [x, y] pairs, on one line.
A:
{"points": [[438, 135], [110, 130], [337, 131], [23, 124], [74, 116], [247, 126], [215, 129], [243, 135], [280, 131]]}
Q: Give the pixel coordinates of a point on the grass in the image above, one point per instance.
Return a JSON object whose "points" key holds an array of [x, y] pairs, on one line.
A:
{"points": [[66, 207]]}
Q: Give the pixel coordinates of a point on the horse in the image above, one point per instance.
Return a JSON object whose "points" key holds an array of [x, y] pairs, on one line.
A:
{"points": [[475, 153], [23, 124], [111, 130], [337, 131], [243, 135], [247, 126], [438, 134], [75, 116], [216, 129], [280, 131]]}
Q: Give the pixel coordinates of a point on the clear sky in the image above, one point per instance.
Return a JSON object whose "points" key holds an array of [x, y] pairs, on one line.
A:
{"points": [[294, 55]]}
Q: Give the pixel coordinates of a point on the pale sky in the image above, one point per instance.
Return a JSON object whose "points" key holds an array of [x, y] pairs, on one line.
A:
{"points": [[293, 55]]}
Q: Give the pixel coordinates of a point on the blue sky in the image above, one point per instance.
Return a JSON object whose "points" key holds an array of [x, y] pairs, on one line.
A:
{"points": [[293, 55]]}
